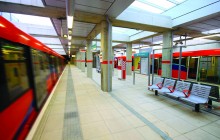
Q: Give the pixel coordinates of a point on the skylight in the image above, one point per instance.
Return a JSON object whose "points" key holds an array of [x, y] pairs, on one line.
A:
{"points": [[146, 7], [161, 4], [155, 6], [26, 2], [125, 31], [212, 31], [36, 20]]}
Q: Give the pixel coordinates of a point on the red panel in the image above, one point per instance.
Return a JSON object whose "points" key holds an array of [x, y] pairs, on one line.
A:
{"points": [[89, 61], [165, 61], [28, 125], [12, 117], [106, 62], [182, 74]]}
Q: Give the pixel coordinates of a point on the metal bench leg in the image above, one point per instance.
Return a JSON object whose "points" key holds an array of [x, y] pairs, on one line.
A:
{"points": [[210, 104], [156, 92], [197, 107]]}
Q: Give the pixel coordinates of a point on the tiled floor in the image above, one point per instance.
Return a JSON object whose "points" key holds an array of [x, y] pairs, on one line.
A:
{"points": [[103, 117]]}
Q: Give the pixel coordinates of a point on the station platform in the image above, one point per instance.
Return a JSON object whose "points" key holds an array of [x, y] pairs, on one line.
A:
{"points": [[77, 109]]}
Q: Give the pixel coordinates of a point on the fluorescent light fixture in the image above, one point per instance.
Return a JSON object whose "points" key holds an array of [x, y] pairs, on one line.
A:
{"points": [[69, 43], [69, 37], [70, 22], [70, 31], [65, 36], [194, 57], [73, 55], [69, 47], [214, 35], [24, 37]]}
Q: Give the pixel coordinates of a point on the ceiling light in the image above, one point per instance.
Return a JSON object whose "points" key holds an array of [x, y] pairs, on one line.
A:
{"points": [[65, 36], [70, 22], [69, 43], [69, 47], [69, 37], [214, 35], [70, 31]]}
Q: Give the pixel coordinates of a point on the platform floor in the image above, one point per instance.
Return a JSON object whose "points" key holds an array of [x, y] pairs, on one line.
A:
{"points": [[79, 110]]}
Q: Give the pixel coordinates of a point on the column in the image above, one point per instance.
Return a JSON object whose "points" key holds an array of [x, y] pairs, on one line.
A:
{"points": [[128, 58], [83, 56], [106, 49], [167, 54], [89, 59]]}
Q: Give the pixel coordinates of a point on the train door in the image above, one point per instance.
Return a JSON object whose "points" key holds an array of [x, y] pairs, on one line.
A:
{"points": [[94, 61], [193, 63]]}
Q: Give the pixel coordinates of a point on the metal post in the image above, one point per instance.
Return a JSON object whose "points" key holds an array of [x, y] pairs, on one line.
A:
{"points": [[153, 68], [180, 60], [149, 70], [171, 53], [133, 77], [197, 72], [188, 67]]}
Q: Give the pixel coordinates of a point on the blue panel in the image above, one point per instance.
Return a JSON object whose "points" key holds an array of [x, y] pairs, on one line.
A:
{"points": [[176, 67]]}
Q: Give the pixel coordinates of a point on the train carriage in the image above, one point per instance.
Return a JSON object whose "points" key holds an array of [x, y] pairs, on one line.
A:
{"points": [[28, 73]]}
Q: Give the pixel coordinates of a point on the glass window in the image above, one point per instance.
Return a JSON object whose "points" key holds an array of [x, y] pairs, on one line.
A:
{"points": [[41, 72], [16, 70], [209, 69]]}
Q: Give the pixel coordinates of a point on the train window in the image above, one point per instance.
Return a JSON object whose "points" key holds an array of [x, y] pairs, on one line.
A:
{"points": [[15, 69], [41, 73]]}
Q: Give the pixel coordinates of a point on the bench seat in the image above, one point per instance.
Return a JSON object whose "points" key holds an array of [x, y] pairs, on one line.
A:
{"points": [[181, 90], [157, 81], [168, 86], [198, 95]]}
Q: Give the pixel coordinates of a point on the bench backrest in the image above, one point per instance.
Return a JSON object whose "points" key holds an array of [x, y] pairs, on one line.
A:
{"points": [[180, 86], [158, 80], [201, 91], [214, 91], [169, 82]]}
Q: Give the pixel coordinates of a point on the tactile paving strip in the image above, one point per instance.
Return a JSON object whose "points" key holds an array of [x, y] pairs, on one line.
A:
{"points": [[71, 126]]}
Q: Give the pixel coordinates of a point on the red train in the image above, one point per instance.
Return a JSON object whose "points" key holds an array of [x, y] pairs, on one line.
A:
{"points": [[201, 61], [29, 70]]}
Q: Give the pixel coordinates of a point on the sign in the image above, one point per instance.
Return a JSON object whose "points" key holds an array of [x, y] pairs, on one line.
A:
{"points": [[142, 54]]}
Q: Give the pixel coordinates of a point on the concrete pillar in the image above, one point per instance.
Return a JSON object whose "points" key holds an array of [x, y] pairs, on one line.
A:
{"points": [[89, 59], [167, 54], [128, 58], [83, 57], [106, 48]]}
